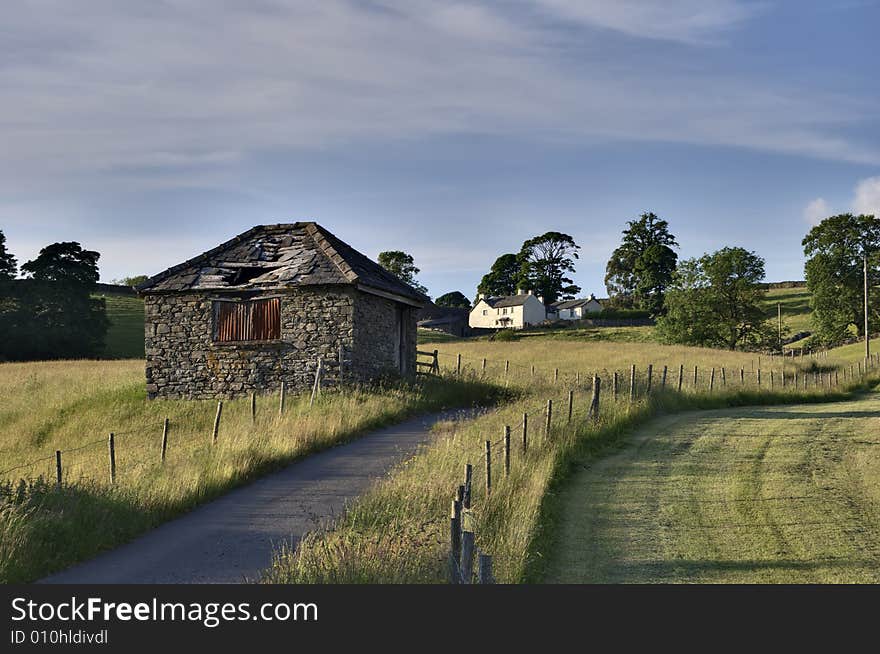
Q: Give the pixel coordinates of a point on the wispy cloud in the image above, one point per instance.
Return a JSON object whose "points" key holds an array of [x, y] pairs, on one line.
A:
{"points": [[198, 85], [867, 196], [686, 21], [816, 211]]}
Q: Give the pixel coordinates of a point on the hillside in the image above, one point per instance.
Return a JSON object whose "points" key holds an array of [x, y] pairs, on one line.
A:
{"points": [[125, 336], [796, 309]]}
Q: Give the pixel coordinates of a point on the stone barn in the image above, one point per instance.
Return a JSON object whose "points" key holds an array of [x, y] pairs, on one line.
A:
{"points": [[263, 307]]}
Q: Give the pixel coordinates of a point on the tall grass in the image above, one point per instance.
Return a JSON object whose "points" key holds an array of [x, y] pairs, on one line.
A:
{"points": [[72, 406], [398, 531]]}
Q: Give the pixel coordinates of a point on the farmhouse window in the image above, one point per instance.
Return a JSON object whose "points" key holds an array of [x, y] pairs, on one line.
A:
{"points": [[252, 320]]}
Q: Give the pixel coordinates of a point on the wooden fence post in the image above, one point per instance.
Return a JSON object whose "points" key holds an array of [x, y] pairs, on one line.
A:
{"points": [[164, 439], [507, 450], [525, 433], [555, 375], [615, 386], [436, 367], [58, 475], [458, 364], [594, 403], [632, 383], [216, 429], [316, 387], [650, 377], [483, 367], [663, 377], [253, 407], [468, 478], [342, 362], [771, 378], [111, 450], [758, 376], [723, 377], [281, 397], [484, 569], [549, 419], [455, 542], [742, 376], [488, 467], [466, 565], [570, 404], [712, 380], [680, 376], [695, 378], [533, 370], [782, 374], [506, 368]]}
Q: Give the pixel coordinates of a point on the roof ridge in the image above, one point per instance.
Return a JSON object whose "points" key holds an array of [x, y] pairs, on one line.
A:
{"points": [[314, 230]]}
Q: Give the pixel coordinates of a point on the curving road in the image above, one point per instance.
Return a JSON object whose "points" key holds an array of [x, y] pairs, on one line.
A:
{"points": [[231, 539]]}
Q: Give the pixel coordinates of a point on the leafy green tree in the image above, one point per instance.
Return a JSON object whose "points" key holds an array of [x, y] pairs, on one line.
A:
{"points": [[716, 301], [545, 263], [454, 300], [54, 314], [835, 250], [134, 280], [642, 267], [502, 278], [403, 265], [8, 264]]}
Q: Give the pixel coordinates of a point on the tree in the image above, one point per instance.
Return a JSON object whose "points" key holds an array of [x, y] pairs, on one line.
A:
{"points": [[642, 267], [402, 265], [8, 264], [715, 301], [54, 314], [544, 263], [502, 278], [453, 299], [65, 263], [836, 248], [134, 280]]}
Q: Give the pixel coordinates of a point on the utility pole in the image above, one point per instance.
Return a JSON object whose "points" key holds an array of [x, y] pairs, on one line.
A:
{"points": [[867, 335]]}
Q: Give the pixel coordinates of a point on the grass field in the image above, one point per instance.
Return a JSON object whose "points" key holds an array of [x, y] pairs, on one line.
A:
{"points": [[796, 309], [397, 533], [73, 405], [125, 335], [787, 494]]}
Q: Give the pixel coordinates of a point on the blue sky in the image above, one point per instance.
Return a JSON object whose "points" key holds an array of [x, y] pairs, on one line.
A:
{"points": [[452, 130]]}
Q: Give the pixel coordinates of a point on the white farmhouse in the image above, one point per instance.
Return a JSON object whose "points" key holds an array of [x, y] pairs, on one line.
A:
{"points": [[575, 309], [514, 311]]}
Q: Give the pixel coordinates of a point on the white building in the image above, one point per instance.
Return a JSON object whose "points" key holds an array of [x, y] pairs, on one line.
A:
{"points": [[575, 309], [514, 311]]}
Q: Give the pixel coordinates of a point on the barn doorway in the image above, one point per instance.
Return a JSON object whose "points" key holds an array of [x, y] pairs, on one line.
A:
{"points": [[400, 316]]}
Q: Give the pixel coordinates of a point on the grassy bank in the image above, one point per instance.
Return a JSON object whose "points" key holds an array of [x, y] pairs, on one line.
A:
{"points": [[397, 532], [72, 406]]}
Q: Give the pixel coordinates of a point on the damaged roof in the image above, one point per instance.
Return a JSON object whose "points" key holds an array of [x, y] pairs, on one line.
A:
{"points": [[277, 257]]}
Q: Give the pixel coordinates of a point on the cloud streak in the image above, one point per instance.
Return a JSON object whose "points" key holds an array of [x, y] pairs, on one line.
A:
{"points": [[200, 85]]}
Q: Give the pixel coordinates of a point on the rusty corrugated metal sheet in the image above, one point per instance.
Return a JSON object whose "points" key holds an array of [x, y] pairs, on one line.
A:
{"points": [[254, 320]]}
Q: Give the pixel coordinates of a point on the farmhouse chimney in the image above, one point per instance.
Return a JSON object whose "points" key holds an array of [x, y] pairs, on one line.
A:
{"points": [[481, 296], [541, 299], [519, 291]]}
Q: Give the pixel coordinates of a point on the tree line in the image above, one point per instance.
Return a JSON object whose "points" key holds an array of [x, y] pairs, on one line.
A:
{"points": [[715, 300], [50, 313]]}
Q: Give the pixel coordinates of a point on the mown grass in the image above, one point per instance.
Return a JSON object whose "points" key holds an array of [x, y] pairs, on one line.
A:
{"points": [[787, 494], [397, 532], [796, 309], [72, 406]]}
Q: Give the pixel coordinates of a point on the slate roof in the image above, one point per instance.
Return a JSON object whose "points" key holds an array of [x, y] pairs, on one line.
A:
{"points": [[277, 257], [507, 300], [571, 304]]}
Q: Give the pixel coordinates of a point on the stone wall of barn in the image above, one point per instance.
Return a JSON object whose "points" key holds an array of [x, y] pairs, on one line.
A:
{"points": [[376, 342], [183, 361]]}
